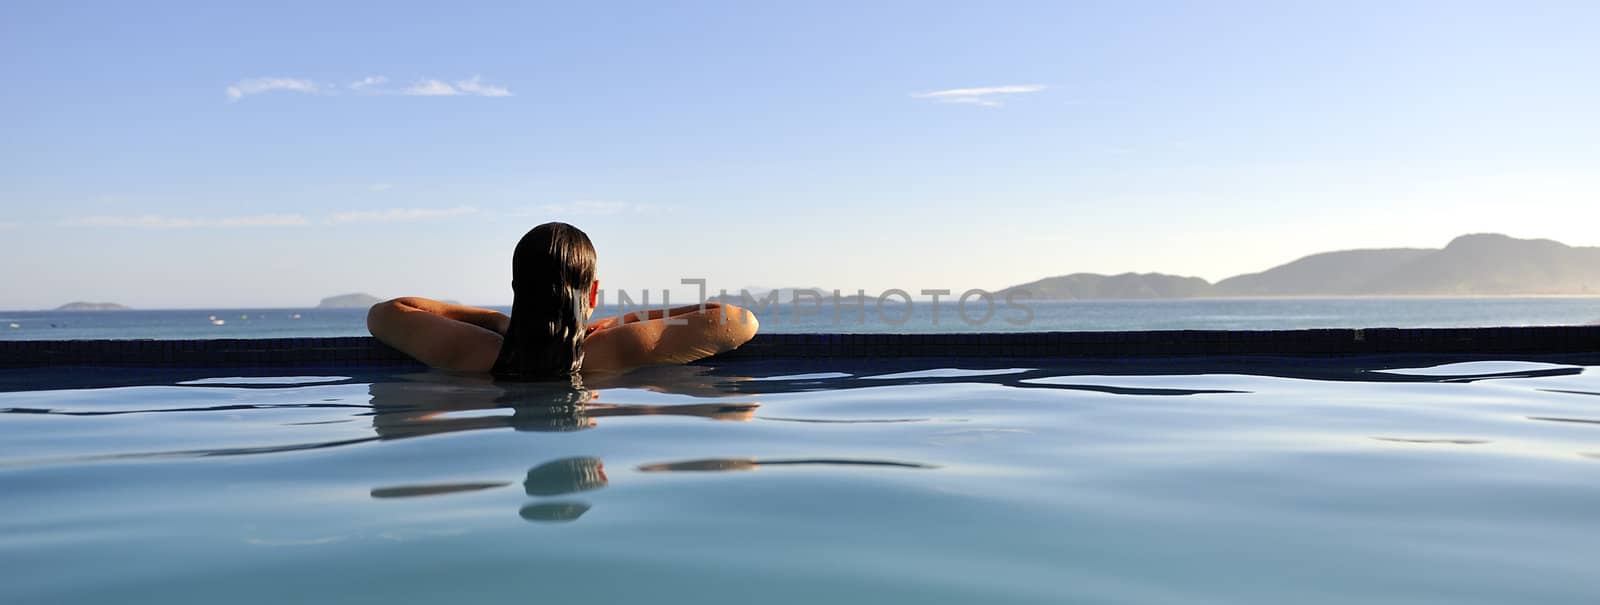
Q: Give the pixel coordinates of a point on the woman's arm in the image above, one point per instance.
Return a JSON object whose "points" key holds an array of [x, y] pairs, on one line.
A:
{"points": [[648, 315], [488, 319], [702, 333], [442, 335]]}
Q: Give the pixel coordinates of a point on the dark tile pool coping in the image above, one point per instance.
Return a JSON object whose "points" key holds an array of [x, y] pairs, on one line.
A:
{"points": [[365, 351]]}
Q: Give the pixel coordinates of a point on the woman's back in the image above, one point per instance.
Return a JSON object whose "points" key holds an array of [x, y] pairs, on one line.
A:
{"points": [[548, 333], [470, 339]]}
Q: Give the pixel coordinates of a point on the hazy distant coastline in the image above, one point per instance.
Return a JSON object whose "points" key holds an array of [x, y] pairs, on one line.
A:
{"points": [[358, 300], [1485, 264], [1476, 265], [92, 306]]}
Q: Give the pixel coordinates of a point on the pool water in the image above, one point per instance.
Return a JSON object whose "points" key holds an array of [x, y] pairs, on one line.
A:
{"points": [[827, 481]]}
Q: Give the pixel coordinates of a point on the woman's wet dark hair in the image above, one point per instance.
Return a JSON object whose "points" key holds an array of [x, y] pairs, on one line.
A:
{"points": [[551, 272]]}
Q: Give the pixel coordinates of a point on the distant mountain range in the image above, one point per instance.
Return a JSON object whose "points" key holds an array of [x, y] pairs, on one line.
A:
{"points": [[759, 294], [1484, 264]]}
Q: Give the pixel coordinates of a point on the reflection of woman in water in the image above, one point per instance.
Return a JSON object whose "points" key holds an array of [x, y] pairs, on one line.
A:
{"points": [[430, 404], [548, 334]]}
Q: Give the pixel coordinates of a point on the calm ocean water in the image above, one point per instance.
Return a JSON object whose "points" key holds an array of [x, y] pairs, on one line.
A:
{"points": [[1392, 480], [1248, 314]]}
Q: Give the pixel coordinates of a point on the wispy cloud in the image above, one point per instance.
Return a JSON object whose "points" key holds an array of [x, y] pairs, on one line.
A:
{"points": [[988, 96], [159, 221], [262, 220], [475, 86], [370, 85], [430, 88], [470, 86], [399, 215], [156, 221], [587, 207], [252, 86]]}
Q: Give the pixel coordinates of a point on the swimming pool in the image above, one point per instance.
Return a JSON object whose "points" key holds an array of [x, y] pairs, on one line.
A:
{"points": [[1199, 480]]}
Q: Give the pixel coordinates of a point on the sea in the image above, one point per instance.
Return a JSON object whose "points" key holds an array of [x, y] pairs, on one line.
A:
{"points": [[895, 316]]}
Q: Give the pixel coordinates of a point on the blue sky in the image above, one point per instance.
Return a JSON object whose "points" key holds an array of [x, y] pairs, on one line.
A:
{"points": [[194, 155]]}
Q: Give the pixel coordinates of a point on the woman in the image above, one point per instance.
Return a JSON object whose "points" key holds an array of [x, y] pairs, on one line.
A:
{"points": [[548, 334]]}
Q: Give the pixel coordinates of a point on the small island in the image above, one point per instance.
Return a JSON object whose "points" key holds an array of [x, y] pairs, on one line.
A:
{"points": [[92, 306], [758, 295], [358, 300]]}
